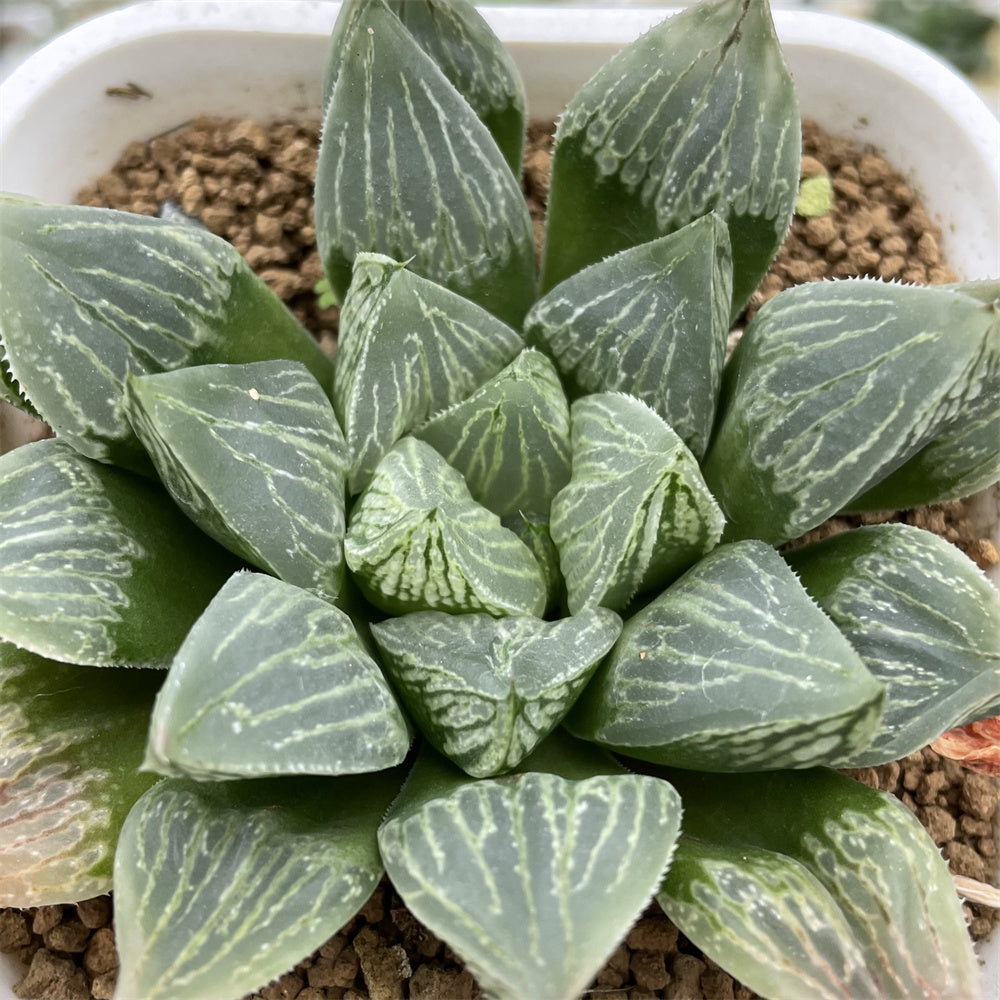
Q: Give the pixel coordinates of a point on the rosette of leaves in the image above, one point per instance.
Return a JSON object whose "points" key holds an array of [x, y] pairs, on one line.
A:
{"points": [[534, 534]]}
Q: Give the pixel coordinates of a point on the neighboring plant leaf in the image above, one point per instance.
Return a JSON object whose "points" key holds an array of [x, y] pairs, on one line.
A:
{"points": [[407, 349], [832, 387], [71, 743], [97, 565], [486, 691], [806, 883], [254, 455], [651, 321], [924, 619], [407, 169], [636, 512], [89, 295], [698, 115], [273, 680], [417, 541], [733, 668], [221, 888]]}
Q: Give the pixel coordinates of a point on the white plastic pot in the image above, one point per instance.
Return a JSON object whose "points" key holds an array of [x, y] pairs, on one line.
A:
{"points": [[255, 58]]}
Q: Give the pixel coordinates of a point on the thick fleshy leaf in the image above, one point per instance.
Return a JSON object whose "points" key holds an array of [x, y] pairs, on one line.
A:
{"points": [[486, 691], [833, 386], [221, 888], [89, 295], [417, 541], [254, 455], [636, 512], [651, 321], [273, 680], [97, 565], [407, 349], [699, 115], [407, 169], [807, 883], [733, 668], [924, 619], [71, 743]]}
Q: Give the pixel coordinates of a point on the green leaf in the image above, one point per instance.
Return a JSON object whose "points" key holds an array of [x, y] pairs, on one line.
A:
{"points": [[97, 565], [733, 668], [407, 169], [89, 295], [636, 512], [833, 386], [71, 742], [651, 321], [407, 349], [486, 691], [221, 888], [417, 541], [254, 455], [534, 531], [273, 680], [924, 619], [699, 115]]}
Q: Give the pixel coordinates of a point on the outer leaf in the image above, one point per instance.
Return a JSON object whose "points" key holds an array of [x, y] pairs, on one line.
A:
{"points": [[97, 565], [89, 295], [486, 691], [651, 321], [273, 680], [220, 888], [832, 387], [417, 541], [698, 115], [407, 169], [733, 668], [924, 619], [70, 745], [636, 512], [254, 455]]}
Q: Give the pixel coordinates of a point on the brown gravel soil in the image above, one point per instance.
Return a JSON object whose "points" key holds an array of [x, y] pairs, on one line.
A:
{"points": [[252, 185]]}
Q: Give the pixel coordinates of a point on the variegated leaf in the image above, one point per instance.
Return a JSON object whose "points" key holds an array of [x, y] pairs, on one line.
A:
{"points": [[699, 115], [221, 888], [534, 531], [417, 541], [651, 321], [273, 680], [97, 565], [407, 349], [71, 742], [833, 386], [89, 295], [486, 691], [254, 455], [924, 619], [636, 512], [733, 668]]}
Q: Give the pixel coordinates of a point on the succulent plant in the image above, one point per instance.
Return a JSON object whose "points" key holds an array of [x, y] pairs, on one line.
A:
{"points": [[494, 600]]}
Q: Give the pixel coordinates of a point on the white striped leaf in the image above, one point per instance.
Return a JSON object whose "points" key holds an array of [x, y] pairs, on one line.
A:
{"points": [[486, 691], [97, 565], [699, 115], [221, 888], [254, 455], [417, 541], [534, 531], [733, 668], [89, 295], [636, 512], [407, 169], [651, 321], [407, 349], [809, 884], [273, 680], [926, 622], [71, 742]]}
